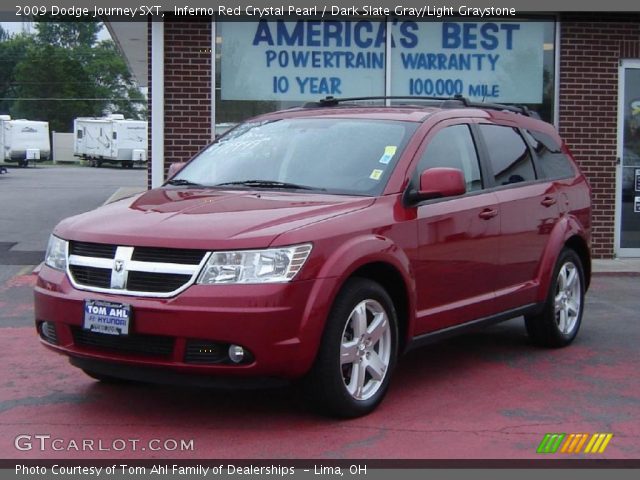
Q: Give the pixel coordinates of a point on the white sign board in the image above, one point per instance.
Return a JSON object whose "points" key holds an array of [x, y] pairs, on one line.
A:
{"points": [[308, 59], [492, 61], [301, 60]]}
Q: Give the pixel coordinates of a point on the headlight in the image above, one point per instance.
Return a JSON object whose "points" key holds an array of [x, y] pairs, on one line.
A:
{"points": [[254, 266], [56, 256]]}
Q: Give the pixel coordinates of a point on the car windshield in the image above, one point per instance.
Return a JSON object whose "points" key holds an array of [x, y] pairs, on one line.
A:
{"points": [[349, 156]]}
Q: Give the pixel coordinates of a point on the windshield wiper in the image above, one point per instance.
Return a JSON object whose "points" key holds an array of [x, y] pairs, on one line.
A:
{"points": [[270, 184], [182, 181]]}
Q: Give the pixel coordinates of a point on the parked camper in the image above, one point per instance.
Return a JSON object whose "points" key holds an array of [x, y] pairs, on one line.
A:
{"points": [[110, 139], [23, 141]]}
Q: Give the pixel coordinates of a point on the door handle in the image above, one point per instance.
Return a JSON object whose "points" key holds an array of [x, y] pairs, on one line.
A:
{"points": [[488, 213], [548, 201]]}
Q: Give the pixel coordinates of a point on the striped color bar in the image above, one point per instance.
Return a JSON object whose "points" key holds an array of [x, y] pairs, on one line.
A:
{"points": [[550, 443], [573, 443], [598, 442]]}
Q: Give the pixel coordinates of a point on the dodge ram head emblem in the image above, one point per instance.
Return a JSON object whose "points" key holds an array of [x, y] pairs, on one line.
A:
{"points": [[118, 266]]}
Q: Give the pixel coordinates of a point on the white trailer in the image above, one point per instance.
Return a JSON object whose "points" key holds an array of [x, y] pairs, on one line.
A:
{"points": [[23, 141], [110, 139]]}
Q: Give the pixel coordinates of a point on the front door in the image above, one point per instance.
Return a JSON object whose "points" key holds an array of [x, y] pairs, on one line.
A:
{"points": [[459, 237], [628, 175]]}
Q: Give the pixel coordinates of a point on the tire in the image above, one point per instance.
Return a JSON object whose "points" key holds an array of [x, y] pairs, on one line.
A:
{"points": [[351, 376], [104, 378], [559, 321]]}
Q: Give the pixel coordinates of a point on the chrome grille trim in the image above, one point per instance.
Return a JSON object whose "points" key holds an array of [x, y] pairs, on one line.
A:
{"points": [[121, 265]]}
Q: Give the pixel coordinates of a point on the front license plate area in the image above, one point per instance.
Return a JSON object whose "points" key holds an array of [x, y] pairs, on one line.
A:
{"points": [[109, 318]]}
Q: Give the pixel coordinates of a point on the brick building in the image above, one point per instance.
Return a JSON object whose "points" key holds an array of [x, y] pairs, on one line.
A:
{"points": [[581, 71]]}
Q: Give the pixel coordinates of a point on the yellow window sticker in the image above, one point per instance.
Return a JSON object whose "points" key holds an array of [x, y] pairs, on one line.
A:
{"points": [[376, 174], [389, 152]]}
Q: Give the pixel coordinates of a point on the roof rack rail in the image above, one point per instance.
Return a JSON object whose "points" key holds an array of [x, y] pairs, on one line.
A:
{"points": [[456, 101], [333, 101], [521, 109]]}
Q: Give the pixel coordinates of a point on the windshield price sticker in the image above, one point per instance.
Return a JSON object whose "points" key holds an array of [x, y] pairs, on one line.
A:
{"points": [[389, 152], [106, 317]]}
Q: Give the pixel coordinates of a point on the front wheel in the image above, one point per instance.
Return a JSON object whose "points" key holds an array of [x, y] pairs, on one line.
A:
{"points": [[558, 323], [358, 352]]}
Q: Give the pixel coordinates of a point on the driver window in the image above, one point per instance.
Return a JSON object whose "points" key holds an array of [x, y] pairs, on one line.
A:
{"points": [[453, 147]]}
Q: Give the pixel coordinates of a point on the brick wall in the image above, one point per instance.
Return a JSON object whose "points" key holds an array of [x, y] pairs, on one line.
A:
{"points": [[187, 87], [590, 52]]}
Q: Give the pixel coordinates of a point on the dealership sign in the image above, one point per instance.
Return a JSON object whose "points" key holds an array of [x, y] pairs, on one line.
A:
{"points": [[303, 60]]}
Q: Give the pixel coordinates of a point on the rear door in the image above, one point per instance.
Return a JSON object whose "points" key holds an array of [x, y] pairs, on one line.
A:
{"points": [[528, 209], [458, 237]]}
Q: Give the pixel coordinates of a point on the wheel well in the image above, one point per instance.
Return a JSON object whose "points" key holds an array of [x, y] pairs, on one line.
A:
{"points": [[578, 245], [391, 280]]}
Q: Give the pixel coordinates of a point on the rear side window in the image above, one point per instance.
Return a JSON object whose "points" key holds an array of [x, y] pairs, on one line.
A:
{"points": [[551, 162], [509, 155], [453, 147], [80, 133]]}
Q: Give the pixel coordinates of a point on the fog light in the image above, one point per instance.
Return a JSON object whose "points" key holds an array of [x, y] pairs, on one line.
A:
{"points": [[236, 353]]}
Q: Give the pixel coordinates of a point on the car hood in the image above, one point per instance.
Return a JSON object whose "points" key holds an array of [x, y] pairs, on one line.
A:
{"points": [[205, 218]]}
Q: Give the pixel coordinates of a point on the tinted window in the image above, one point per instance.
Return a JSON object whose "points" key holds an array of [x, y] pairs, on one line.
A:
{"points": [[79, 133], [509, 155], [337, 155], [453, 147], [551, 162]]}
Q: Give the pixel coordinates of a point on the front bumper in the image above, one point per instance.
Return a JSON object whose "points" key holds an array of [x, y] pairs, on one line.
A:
{"points": [[279, 324]]}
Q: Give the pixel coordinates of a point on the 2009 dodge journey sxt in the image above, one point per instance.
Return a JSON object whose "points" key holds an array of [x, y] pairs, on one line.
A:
{"points": [[322, 242]]}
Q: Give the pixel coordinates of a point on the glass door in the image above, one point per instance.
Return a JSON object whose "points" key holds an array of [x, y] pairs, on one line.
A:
{"points": [[628, 188]]}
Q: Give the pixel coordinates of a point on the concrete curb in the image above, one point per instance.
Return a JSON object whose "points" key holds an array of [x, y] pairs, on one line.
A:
{"points": [[615, 266], [124, 192]]}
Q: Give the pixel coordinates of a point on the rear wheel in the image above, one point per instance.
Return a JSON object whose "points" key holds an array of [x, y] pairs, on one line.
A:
{"points": [[358, 352], [558, 323]]}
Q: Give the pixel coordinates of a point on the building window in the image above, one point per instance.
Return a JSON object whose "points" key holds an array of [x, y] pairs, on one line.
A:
{"points": [[266, 65]]}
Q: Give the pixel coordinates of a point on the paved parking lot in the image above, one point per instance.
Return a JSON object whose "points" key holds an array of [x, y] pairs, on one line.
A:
{"points": [[484, 395], [34, 200]]}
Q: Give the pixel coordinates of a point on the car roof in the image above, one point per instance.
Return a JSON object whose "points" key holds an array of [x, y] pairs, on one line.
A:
{"points": [[402, 113], [411, 110]]}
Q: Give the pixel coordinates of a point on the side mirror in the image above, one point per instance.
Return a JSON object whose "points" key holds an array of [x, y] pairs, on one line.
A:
{"points": [[175, 168], [439, 182]]}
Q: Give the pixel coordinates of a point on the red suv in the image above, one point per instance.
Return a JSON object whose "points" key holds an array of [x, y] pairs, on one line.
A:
{"points": [[322, 242]]}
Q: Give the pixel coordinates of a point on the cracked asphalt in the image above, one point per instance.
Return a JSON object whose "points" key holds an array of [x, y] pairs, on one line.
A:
{"points": [[488, 394]]}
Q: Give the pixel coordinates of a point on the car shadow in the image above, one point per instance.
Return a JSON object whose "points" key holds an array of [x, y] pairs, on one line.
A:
{"points": [[421, 369]]}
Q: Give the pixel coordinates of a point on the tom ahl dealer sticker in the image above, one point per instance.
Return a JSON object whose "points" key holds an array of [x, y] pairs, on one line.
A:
{"points": [[107, 317]]}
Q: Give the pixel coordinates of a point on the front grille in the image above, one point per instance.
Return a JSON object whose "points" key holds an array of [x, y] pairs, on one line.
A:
{"points": [[86, 249], [48, 332], [154, 271], [155, 282], [95, 277], [201, 351], [168, 255], [153, 345]]}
